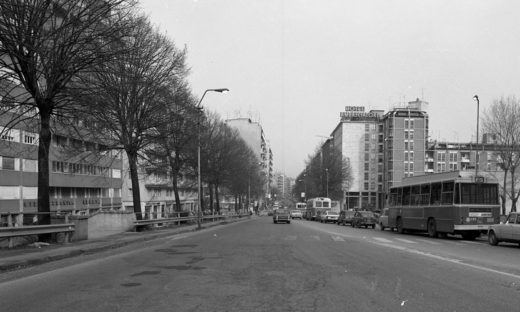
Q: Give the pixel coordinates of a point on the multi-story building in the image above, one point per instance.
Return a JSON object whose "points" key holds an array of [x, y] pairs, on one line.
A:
{"points": [[84, 175], [253, 134], [405, 139], [451, 156], [284, 185], [359, 137]]}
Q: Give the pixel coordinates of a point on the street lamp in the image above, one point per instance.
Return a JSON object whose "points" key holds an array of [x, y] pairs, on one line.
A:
{"points": [[199, 107], [475, 98]]}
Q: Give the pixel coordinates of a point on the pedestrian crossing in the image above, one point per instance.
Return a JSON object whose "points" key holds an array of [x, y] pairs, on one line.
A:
{"points": [[333, 237]]}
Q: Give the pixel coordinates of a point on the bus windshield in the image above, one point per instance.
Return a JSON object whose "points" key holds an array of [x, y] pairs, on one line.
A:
{"points": [[473, 193]]}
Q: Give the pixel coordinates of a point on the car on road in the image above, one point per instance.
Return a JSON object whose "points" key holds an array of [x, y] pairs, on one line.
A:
{"points": [[364, 218], [508, 231], [296, 214], [329, 216], [346, 216], [281, 215], [382, 220]]}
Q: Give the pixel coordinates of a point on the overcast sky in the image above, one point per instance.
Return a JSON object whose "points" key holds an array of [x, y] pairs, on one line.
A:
{"points": [[294, 65]]}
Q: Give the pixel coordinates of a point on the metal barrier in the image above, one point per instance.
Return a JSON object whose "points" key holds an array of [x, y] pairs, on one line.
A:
{"points": [[178, 220], [11, 232]]}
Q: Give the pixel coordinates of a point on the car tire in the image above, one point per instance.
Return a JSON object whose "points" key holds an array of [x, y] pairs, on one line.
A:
{"points": [[288, 222], [492, 238]]}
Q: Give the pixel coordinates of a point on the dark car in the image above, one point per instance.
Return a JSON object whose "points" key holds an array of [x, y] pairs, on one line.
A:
{"points": [[364, 218], [281, 215], [345, 217]]}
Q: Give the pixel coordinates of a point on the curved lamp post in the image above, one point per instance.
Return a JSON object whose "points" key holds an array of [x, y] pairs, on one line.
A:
{"points": [[199, 107]]}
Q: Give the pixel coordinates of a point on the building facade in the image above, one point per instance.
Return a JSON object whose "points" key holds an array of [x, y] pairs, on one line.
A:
{"points": [[359, 137], [405, 141], [253, 134], [84, 176]]}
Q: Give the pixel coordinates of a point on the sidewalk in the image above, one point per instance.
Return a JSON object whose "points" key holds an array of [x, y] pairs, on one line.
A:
{"points": [[20, 257]]}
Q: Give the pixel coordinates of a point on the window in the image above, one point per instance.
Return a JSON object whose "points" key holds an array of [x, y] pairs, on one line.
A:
{"points": [[29, 138], [435, 198], [447, 192], [7, 163], [411, 134], [406, 196]]}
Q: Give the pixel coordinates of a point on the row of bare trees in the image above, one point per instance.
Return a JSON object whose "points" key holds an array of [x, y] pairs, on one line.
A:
{"points": [[104, 63], [327, 174], [502, 120]]}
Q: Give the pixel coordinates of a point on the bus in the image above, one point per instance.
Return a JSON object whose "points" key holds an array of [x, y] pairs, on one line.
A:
{"points": [[315, 206], [456, 202], [302, 207]]}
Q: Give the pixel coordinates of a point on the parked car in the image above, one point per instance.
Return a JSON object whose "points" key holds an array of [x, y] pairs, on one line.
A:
{"points": [[281, 215], [382, 221], [364, 218], [329, 216], [345, 217], [508, 231], [296, 214]]}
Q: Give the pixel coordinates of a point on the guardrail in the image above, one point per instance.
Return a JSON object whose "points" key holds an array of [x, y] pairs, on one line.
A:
{"points": [[11, 232], [178, 220]]}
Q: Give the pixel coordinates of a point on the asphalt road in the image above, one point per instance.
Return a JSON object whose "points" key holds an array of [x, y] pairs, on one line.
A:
{"points": [[256, 265]]}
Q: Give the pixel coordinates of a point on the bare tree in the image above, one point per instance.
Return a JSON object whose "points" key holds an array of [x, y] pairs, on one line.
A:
{"points": [[173, 148], [129, 94], [502, 119], [43, 46]]}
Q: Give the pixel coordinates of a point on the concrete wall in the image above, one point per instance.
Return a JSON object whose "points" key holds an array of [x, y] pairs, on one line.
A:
{"points": [[108, 223]]}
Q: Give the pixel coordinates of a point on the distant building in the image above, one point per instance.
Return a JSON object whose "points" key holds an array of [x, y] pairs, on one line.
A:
{"points": [[284, 185], [253, 134]]}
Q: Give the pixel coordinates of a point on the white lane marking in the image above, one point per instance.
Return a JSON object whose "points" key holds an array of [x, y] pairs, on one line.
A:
{"points": [[429, 241], [290, 237], [383, 240], [446, 259], [337, 238], [406, 241]]}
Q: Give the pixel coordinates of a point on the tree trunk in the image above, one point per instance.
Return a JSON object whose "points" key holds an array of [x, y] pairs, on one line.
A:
{"points": [[134, 176], [217, 200], [513, 192], [176, 193], [504, 193], [210, 189], [43, 167]]}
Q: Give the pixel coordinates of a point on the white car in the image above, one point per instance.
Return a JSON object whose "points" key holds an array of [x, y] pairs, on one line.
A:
{"points": [[296, 214], [329, 216], [509, 231]]}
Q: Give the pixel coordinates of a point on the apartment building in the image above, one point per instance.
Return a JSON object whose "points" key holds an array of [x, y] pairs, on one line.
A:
{"points": [[405, 141]]}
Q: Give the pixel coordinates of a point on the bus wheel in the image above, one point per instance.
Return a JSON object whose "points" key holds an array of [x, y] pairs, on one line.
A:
{"points": [[399, 225], [432, 228], [492, 238]]}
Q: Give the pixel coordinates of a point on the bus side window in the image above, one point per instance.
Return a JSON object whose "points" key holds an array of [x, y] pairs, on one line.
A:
{"points": [[406, 196], [435, 198], [447, 192]]}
